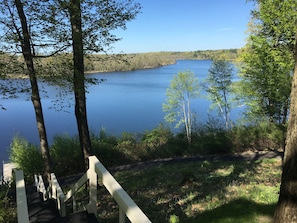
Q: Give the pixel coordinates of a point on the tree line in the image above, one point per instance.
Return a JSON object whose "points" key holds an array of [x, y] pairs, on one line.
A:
{"points": [[60, 64]]}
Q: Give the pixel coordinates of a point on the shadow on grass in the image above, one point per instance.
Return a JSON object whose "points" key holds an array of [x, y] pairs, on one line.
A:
{"points": [[240, 210], [238, 190]]}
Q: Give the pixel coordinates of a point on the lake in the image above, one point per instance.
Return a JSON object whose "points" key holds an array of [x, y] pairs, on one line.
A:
{"points": [[125, 102]]}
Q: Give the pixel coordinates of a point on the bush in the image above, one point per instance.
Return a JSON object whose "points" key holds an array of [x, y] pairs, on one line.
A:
{"points": [[105, 148], [66, 155], [127, 144], [211, 138], [27, 157], [8, 212], [264, 136], [158, 143]]}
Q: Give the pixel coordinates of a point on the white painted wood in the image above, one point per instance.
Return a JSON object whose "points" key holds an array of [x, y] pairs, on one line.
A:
{"points": [[92, 176], [7, 171], [22, 206], [41, 187], [76, 186], [58, 194], [122, 216], [127, 205]]}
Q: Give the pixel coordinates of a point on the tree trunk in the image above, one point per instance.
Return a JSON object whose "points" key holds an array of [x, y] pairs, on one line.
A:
{"points": [[286, 210], [79, 80], [27, 54]]}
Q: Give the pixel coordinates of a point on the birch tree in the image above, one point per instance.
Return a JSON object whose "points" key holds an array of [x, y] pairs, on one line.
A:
{"points": [[218, 86], [183, 88]]}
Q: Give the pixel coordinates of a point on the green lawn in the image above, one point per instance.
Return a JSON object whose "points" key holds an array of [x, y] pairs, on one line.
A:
{"points": [[237, 191]]}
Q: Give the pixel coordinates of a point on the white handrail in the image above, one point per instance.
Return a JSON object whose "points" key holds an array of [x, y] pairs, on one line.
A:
{"points": [[40, 186], [126, 204], [127, 207], [75, 187], [58, 194], [22, 206]]}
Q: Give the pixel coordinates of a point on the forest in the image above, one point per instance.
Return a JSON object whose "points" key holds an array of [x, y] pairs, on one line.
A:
{"points": [[109, 62]]}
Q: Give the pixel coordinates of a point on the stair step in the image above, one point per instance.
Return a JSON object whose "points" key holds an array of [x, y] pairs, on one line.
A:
{"points": [[80, 217], [46, 211], [43, 211]]}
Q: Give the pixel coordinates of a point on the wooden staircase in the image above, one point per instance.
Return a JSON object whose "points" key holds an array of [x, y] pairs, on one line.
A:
{"points": [[47, 212], [41, 204]]}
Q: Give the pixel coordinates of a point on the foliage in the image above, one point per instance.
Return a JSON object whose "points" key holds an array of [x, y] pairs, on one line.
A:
{"points": [[66, 155], [105, 148], [263, 136], [156, 138], [267, 61], [8, 212], [161, 143], [18, 38], [183, 88], [218, 85], [59, 67], [27, 157], [211, 138], [208, 139]]}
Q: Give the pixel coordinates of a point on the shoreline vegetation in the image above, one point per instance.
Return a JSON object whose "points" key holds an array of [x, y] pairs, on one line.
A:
{"points": [[99, 63]]}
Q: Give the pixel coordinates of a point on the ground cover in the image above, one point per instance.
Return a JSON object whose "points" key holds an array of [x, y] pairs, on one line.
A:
{"points": [[200, 191]]}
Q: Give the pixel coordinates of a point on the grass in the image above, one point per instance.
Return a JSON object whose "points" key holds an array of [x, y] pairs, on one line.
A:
{"points": [[201, 192]]}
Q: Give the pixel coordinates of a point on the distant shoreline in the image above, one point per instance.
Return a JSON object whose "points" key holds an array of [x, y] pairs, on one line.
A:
{"points": [[98, 63]]}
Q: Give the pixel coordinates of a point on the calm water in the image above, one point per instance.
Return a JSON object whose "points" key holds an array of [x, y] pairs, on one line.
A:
{"points": [[126, 101]]}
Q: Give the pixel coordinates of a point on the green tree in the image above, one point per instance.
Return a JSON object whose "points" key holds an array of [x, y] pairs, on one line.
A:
{"points": [[87, 30], [183, 88], [78, 78], [80, 26], [286, 209], [18, 35], [218, 85], [267, 61]]}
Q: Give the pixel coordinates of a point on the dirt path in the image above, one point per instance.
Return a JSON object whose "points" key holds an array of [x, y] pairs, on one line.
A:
{"points": [[247, 156]]}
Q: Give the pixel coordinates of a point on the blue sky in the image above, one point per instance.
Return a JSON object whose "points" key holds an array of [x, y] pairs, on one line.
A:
{"points": [[186, 25]]}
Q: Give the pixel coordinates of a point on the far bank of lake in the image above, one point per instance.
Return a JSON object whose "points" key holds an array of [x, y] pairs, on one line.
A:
{"points": [[126, 102]]}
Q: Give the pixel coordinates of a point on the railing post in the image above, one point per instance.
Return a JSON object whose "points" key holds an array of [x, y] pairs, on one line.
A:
{"points": [[58, 195], [22, 206], [74, 204], [92, 176], [122, 215]]}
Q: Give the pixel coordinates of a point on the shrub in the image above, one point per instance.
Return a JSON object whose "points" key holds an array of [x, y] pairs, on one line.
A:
{"points": [[127, 144], [263, 136], [157, 141], [66, 155], [105, 148], [211, 138], [27, 157], [8, 212]]}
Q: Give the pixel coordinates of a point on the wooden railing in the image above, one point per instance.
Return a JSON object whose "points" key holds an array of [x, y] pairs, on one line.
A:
{"points": [[21, 198], [96, 171], [40, 186]]}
